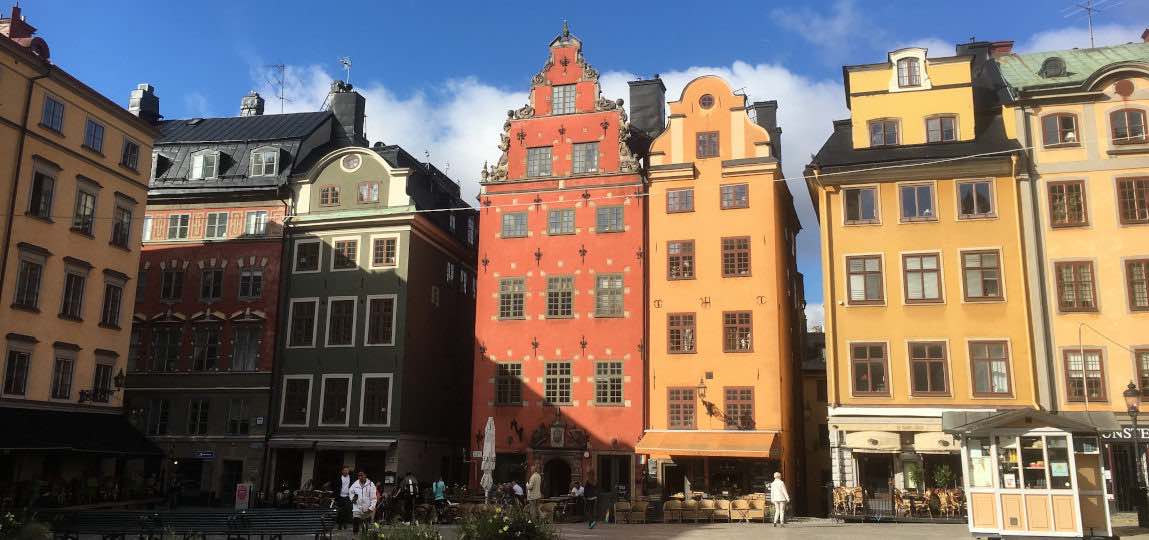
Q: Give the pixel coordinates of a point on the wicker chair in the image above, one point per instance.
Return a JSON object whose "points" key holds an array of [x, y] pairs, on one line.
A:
{"points": [[722, 510], [757, 509], [902, 505], [672, 511], [547, 511], [690, 511], [857, 500], [638, 512], [923, 506], [740, 510], [622, 512], [706, 508]]}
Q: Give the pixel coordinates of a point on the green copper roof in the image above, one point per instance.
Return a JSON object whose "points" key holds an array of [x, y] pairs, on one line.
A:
{"points": [[352, 214], [1020, 71]]}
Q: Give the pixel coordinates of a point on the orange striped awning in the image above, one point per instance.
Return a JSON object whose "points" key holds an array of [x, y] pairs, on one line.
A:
{"points": [[750, 444]]}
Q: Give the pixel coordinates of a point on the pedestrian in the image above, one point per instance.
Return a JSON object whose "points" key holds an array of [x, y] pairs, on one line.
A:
{"points": [[363, 499], [517, 491], [409, 489], [439, 492], [342, 488], [590, 495], [380, 506], [534, 491], [174, 489], [779, 496]]}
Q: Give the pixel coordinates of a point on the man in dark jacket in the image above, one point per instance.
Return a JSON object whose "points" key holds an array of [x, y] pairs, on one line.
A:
{"points": [[409, 495], [341, 491]]}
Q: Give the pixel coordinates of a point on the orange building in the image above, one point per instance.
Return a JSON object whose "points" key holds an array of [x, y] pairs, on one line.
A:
{"points": [[723, 308]]}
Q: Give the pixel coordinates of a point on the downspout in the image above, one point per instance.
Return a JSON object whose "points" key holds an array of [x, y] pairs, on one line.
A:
{"points": [[276, 361], [16, 176], [829, 308], [645, 344]]}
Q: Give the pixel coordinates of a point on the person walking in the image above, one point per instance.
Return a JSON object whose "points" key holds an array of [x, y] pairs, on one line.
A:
{"points": [[439, 492], [590, 496], [409, 489], [363, 498], [534, 491], [342, 490], [779, 496]]}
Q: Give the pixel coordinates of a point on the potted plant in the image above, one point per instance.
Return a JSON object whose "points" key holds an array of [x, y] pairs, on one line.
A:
{"points": [[943, 476]]}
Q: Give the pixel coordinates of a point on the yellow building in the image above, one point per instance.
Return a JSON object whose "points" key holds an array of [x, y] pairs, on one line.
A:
{"points": [[723, 305], [1082, 115], [74, 185]]}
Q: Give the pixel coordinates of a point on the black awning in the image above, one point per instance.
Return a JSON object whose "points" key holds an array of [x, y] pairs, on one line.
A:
{"points": [[72, 431]]}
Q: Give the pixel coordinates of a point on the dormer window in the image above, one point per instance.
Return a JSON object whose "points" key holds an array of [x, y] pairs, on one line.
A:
{"points": [[941, 129], [563, 99], [205, 165], [1059, 129], [909, 72], [883, 132], [265, 162]]}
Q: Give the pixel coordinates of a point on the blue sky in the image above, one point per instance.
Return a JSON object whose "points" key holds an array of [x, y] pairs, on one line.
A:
{"points": [[439, 76]]}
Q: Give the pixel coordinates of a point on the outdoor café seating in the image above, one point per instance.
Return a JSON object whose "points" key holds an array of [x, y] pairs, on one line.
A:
{"points": [[672, 511], [638, 512]]}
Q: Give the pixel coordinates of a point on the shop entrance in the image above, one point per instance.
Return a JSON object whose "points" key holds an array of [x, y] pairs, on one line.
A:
{"points": [[1123, 475], [613, 472], [328, 463], [875, 472], [288, 468], [556, 477], [232, 475]]}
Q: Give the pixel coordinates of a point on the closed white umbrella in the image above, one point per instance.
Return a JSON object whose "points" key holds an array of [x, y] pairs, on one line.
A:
{"points": [[488, 465]]}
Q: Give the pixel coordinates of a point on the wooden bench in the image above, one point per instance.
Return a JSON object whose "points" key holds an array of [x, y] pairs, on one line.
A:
{"points": [[274, 524], [271, 524]]}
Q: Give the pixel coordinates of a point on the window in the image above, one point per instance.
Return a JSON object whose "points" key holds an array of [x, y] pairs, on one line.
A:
{"points": [[211, 284], [1067, 204], [53, 114], [917, 202], [451, 221], [62, 378], [739, 407], [384, 251], [255, 223], [680, 200], [608, 380], [178, 226], [1075, 288], [680, 332], [130, 154], [40, 200], [303, 313], [166, 341], [157, 416], [134, 345], [1141, 357], [113, 299], [296, 401], [563, 99], [1128, 126], [864, 279], [515, 225], [585, 158], [238, 417], [922, 274], [102, 385], [883, 132], [981, 274], [861, 205], [121, 226], [368, 192], [205, 348], [736, 256], [245, 347], [216, 225], [1137, 282], [329, 196], [335, 400], [561, 221], [736, 331], [250, 283], [171, 284], [345, 254], [341, 321], [375, 409], [1059, 129], [909, 72], [557, 383], [508, 384], [197, 416], [608, 295], [16, 372], [975, 199], [868, 361], [928, 368], [205, 165], [307, 256], [941, 129], [72, 306], [94, 135], [149, 222], [609, 219], [735, 196], [680, 259], [28, 281], [539, 161], [706, 101], [84, 215], [990, 368], [1133, 200], [706, 144], [380, 320], [511, 292], [470, 231], [264, 162], [680, 408], [560, 296], [1084, 376]]}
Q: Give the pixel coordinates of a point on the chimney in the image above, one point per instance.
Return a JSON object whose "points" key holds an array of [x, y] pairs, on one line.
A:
{"points": [[648, 106], [766, 115], [349, 108], [144, 103], [1002, 48], [15, 27], [251, 105]]}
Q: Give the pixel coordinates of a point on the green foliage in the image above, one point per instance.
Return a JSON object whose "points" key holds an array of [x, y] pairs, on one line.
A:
{"points": [[510, 523], [913, 474], [416, 531], [943, 476], [17, 528]]}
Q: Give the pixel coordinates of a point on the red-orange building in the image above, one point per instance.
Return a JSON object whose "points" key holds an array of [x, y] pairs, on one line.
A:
{"points": [[559, 323]]}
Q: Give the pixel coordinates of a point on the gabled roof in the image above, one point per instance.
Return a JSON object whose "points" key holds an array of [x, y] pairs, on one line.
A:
{"points": [[839, 148], [1021, 71], [241, 128]]}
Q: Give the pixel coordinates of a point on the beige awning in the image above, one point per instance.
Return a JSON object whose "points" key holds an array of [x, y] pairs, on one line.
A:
{"points": [[874, 441], [934, 442], [750, 444]]}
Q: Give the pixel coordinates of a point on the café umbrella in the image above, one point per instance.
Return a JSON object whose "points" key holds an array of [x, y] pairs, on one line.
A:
{"points": [[488, 464]]}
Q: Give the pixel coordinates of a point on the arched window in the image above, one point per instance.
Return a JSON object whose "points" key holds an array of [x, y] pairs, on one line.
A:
{"points": [[909, 72], [1059, 129], [1128, 126], [329, 196]]}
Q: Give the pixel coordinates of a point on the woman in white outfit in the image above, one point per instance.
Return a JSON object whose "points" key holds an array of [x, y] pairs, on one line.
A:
{"points": [[779, 496], [363, 498]]}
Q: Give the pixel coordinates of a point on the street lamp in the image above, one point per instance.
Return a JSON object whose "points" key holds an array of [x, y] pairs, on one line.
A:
{"points": [[1132, 404]]}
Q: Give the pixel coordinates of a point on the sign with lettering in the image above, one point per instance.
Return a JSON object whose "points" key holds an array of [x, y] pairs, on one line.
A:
{"points": [[242, 496], [1127, 433], [205, 454]]}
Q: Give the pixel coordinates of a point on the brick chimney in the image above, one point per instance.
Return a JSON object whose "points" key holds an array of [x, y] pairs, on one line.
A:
{"points": [[251, 105], [144, 103], [350, 109], [1000, 48], [766, 115], [15, 27]]}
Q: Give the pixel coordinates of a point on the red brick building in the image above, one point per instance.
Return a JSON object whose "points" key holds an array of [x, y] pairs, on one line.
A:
{"points": [[559, 322]]}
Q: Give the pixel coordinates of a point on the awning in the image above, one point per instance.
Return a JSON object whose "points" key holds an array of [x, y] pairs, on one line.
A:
{"points": [[874, 441], [750, 444], [35, 430], [935, 442], [969, 423]]}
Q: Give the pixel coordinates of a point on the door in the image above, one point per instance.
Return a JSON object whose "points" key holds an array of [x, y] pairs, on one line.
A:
{"points": [[673, 479], [614, 473], [288, 469], [556, 477], [1123, 476], [327, 466], [232, 474], [875, 472]]}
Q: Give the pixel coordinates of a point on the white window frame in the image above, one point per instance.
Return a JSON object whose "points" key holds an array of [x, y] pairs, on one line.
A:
{"points": [[327, 324], [390, 396], [283, 400], [394, 320], [398, 250], [291, 316], [207, 224], [323, 397], [247, 222], [358, 253], [264, 152], [197, 169], [146, 233], [295, 256], [168, 227]]}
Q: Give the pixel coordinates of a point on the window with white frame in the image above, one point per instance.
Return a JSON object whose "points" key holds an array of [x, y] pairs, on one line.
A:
{"points": [[341, 321], [264, 162], [384, 251], [375, 405], [301, 326], [345, 254], [205, 165], [251, 283], [296, 400], [380, 328], [216, 227], [335, 401], [178, 226], [255, 223], [307, 256]]}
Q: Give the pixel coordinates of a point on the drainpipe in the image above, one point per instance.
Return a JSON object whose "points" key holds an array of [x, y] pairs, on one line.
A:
{"points": [[280, 334], [16, 175]]}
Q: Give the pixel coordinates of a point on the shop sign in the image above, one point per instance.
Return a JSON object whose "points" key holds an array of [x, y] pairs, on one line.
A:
{"points": [[1128, 433], [205, 454], [242, 496]]}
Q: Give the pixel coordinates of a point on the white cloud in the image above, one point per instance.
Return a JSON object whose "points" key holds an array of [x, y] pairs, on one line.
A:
{"points": [[935, 47], [835, 33], [1078, 37], [196, 104], [815, 316]]}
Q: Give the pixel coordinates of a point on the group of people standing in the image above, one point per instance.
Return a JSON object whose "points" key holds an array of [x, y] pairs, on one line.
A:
{"points": [[361, 501]]}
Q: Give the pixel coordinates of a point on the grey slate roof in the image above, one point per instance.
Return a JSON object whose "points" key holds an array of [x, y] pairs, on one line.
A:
{"points": [[241, 128], [839, 148]]}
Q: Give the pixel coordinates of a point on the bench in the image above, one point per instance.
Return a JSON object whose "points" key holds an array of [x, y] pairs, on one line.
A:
{"points": [[271, 524], [274, 524]]}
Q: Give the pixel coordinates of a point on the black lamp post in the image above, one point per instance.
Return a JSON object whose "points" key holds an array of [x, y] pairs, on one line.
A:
{"points": [[1133, 403]]}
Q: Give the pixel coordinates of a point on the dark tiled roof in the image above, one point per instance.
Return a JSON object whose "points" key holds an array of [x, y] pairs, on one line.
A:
{"points": [[241, 128], [839, 151]]}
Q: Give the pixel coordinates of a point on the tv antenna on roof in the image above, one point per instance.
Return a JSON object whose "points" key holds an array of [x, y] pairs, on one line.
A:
{"points": [[278, 83], [1089, 7], [346, 61]]}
